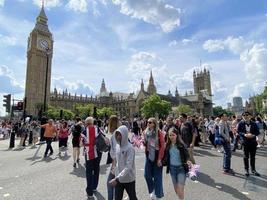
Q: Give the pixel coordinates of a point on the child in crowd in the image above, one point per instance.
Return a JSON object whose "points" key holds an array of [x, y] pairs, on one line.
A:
{"points": [[125, 166], [177, 161]]}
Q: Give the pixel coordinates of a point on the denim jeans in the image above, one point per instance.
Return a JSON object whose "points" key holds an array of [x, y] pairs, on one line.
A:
{"points": [[92, 174], [227, 155], [178, 175], [110, 188], [153, 176]]}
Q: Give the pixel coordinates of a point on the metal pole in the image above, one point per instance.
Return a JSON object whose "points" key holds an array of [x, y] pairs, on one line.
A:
{"points": [[46, 74]]}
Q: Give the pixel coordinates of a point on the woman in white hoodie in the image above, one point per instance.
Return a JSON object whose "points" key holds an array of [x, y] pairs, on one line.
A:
{"points": [[125, 166]]}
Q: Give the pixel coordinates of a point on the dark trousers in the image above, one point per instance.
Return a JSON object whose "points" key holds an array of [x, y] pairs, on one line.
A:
{"points": [[25, 138], [250, 152], [48, 146], [130, 189], [12, 139], [30, 138], [92, 174], [42, 138]]}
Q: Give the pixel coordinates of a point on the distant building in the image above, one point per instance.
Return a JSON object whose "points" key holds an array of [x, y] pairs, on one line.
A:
{"points": [[125, 104], [237, 106]]}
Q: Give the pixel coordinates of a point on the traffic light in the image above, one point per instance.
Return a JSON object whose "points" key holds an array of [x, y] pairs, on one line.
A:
{"points": [[20, 105], [7, 101]]}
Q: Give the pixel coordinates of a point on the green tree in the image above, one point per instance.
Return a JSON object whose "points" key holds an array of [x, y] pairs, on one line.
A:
{"points": [[183, 109], [67, 114], [218, 110], [105, 111], [153, 105], [54, 113], [84, 110]]}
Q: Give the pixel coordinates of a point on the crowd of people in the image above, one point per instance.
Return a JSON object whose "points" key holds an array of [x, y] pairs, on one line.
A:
{"points": [[167, 143]]}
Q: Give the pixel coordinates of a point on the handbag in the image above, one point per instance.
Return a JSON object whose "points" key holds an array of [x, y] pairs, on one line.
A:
{"points": [[100, 142]]}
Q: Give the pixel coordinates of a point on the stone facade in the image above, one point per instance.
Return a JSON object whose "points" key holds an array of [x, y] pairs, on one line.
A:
{"points": [[129, 104]]}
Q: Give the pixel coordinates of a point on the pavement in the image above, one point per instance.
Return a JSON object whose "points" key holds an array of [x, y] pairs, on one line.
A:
{"points": [[26, 175]]}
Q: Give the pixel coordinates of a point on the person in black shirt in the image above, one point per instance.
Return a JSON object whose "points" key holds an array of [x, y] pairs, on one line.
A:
{"points": [[248, 130]]}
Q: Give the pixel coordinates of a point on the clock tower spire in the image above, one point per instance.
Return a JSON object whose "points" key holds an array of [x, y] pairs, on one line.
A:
{"points": [[39, 60]]}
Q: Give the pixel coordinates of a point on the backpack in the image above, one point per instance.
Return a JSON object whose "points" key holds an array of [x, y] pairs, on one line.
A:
{"points": [[76, 131], [100, 142]]}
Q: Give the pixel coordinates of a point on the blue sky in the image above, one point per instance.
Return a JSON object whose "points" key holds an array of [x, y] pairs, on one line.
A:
{"points": [[122, 40]]}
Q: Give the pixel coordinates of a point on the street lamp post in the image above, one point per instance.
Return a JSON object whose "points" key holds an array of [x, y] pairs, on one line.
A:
{"points": [[48, 52]]}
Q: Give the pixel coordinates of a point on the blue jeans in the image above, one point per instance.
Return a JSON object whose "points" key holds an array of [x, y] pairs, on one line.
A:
{"points": [[110, 188], [227, 155], [92, 174], [153, 176]]}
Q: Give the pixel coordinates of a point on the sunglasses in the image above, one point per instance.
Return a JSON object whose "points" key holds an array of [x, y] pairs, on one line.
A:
{"points": [[150, 122]]}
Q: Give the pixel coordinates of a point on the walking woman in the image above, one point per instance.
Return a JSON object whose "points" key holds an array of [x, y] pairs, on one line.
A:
{"points": [[63, 137], [154, 148], [177, 161], [76, 137], [112, 126]]}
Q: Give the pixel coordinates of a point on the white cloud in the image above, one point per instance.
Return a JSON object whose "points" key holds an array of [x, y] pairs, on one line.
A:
{"points": [[78, 87], [17, 31], [2, 2], [173, 43], [252, 55], [77, 5], [8, 83], [8, 40], [151, 11], [187, 41], [213, 45], [48, 4], [143, 62]]}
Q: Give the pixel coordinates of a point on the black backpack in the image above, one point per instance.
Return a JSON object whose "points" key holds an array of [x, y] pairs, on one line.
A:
{"points": [[77, 130]]}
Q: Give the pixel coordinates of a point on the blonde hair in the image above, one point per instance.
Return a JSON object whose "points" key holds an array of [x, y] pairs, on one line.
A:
{"points": [[89, 120], [113, 123]]}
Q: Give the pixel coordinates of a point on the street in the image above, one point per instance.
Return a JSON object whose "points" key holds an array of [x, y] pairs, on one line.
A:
{"points": [[25, 175]]}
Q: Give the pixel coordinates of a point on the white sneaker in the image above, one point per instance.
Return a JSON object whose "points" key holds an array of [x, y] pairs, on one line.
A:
{"points": [[152, 196]]}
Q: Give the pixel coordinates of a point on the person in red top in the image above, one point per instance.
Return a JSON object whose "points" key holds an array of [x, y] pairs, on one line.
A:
{"points": [[49, 134], [154, 148], [63, 137]]}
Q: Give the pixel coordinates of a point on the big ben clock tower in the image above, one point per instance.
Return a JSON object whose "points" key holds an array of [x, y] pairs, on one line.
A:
{"points": [[39, 59]]}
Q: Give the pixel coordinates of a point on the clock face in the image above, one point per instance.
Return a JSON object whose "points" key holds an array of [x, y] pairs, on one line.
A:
{"points": [[43, 44]]}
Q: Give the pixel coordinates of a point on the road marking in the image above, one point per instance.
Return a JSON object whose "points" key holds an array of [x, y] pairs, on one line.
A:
{"points": [[1, 188], [217, 186], [142, 169], [245, 193], [196, 181], [16, 176], [6, 195], [125, 198]]}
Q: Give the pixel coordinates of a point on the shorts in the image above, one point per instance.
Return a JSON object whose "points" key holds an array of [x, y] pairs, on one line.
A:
{"points": [[177, 174], [75, 142]]}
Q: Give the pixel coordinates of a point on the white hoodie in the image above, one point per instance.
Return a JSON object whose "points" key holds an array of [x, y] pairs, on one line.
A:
{"points": [[125, 156]]}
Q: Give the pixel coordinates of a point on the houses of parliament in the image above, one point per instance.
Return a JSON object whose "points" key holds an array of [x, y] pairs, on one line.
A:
{"points": [[38, 83]]}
